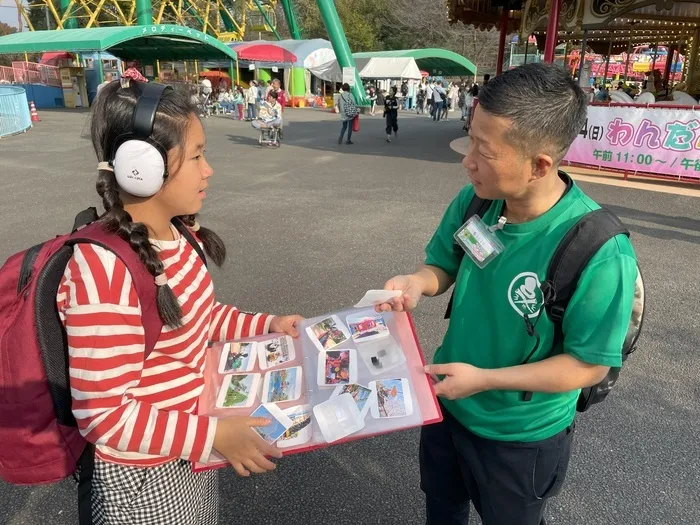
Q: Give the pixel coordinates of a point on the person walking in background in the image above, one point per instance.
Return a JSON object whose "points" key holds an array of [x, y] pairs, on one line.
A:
{"points": [[473, 93], [372, 93], [420, 100], [391, 113], [439, 96], [238, 102], [251, 98], [429, 94], [346, 103], [282, 99], [108, 79]]}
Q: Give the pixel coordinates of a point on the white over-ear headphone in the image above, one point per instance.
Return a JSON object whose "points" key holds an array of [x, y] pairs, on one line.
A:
{"points": [[140, 163]]}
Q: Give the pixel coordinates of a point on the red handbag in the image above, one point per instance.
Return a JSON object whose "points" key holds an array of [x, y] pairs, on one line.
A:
{"points": [[356, 124]]}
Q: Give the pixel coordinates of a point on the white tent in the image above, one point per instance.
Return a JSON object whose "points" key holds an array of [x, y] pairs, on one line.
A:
{"points": [[377, 67], [394, 67]]}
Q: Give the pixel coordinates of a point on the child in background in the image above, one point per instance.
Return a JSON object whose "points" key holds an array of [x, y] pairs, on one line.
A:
{"points": [[139, 411], [391, 113]]}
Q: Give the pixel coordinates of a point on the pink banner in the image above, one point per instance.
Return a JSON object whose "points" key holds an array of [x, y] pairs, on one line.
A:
{"points": [[665, 141]]}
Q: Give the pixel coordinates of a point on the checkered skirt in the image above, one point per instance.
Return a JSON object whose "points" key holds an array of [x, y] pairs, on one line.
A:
{"points": [[164, 495]]}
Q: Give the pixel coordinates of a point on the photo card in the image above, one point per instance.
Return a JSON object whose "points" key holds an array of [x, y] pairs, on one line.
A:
{"points": [[238, 357], [276, 352], [238, 391], [328, 333], [278, 426], [301, 430], [282, 385], [361, 394], [392, 398], [367, 326], [337, 367]]}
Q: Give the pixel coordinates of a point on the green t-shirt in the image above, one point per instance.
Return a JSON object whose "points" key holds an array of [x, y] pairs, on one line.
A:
{"points": [[487, 328]]}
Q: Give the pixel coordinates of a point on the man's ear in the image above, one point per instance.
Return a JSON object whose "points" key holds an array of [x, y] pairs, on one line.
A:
{"points": [[541, 165]]}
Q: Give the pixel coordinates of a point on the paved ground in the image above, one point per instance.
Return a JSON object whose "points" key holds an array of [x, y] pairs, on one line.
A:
{"points": [[311, 227]]}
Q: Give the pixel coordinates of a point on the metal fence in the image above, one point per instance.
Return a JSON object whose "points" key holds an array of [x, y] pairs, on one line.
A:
{"points": [[30, 73], [14, 111]]}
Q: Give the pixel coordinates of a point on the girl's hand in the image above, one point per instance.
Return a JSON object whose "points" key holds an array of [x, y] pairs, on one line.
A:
{"points": [[286, 324], [242, 446]]}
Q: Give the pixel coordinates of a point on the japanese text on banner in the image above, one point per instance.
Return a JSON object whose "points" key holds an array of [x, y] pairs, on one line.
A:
{"points": [[664, 141]]}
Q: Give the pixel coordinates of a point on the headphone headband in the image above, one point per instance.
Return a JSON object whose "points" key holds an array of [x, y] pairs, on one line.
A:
{"points": [[145, 111]]}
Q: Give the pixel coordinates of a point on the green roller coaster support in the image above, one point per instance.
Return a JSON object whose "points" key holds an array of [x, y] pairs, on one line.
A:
{"points": [[340, 46], [226, 18], [188, 5], [144, 12], [267, 20], [291, 19], [71, 22]]}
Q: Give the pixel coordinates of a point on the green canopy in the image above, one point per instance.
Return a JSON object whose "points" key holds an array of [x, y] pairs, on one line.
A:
{"points": [[433, 60], [144, 43]]}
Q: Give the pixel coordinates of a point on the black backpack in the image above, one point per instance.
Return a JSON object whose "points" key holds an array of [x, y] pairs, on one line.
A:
{"points": [[570, 258]]}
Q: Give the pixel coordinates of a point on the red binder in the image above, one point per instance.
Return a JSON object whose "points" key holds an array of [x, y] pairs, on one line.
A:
{"points": [[425, 408]]}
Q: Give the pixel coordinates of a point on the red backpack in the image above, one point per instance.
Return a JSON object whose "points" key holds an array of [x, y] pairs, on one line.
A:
{"points": [[39, 435]]}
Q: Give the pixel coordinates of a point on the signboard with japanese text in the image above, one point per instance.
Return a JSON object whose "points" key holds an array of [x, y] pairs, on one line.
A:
{"points": [[663, 141]]}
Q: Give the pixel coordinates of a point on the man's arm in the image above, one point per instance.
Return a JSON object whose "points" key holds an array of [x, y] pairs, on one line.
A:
{"points": [[432, 280], [560, 373]]}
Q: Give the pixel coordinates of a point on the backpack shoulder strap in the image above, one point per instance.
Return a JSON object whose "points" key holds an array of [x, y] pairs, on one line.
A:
{"points": [[477, 206], [96, 233], [572, 256], [187, 234]]}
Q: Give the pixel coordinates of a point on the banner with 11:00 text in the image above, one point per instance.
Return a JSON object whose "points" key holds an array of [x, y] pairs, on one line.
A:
{"points": [[662, 141]]}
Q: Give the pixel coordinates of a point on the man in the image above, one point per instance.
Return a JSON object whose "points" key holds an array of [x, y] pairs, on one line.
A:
{"points": [[509, 396], [282, 99], [108, 79], [439, 98]]}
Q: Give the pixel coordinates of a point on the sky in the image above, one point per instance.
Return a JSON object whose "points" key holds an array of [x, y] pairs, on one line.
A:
{"points": [[8, 12]]}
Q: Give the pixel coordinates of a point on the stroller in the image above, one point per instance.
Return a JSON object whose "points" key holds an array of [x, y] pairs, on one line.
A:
{"points": [[204, 106], [269, 132]]}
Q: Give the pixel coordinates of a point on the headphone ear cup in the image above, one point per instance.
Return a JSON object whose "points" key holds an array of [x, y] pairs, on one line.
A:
{"points": [[139, 168]]}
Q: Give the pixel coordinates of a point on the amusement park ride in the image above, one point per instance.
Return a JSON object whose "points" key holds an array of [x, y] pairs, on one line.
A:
{"points": [[227, 20]]}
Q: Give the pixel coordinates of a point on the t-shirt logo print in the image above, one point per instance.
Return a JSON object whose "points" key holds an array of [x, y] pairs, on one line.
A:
{"points": [[525, 295]]}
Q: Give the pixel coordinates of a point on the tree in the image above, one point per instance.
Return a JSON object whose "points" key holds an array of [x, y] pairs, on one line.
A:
{"points": [[6, 29], [413, 22], [362, 21]]}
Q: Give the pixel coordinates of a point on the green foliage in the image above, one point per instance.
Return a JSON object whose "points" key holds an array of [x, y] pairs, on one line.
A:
{"points": [[374, 25], [362, 21]]}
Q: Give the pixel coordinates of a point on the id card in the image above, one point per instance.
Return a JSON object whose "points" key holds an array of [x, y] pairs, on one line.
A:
{"points": [[481, 245]]}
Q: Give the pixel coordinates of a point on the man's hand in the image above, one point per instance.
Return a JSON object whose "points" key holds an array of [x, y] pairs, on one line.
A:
{"points": [[412, 290], [461, 380], [287, 324]]}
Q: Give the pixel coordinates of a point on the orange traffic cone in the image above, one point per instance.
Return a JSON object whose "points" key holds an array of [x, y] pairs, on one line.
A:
{"points": [[32, 110]]}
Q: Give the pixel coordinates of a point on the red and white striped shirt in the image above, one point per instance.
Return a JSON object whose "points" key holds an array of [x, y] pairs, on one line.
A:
{"points": [[141, 412]]}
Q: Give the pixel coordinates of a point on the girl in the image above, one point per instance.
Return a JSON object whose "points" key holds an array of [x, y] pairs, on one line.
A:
{"points": [[239, 101], [139, 413]]}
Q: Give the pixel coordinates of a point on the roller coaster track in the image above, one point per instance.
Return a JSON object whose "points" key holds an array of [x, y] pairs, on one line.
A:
{"points": [[227, 20]]}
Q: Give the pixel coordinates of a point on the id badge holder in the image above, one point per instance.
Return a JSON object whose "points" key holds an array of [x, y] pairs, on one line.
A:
{"points": [[479, 240]]}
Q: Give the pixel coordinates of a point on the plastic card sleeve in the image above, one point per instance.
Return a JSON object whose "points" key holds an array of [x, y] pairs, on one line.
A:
{"points": [[402, 395]]}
